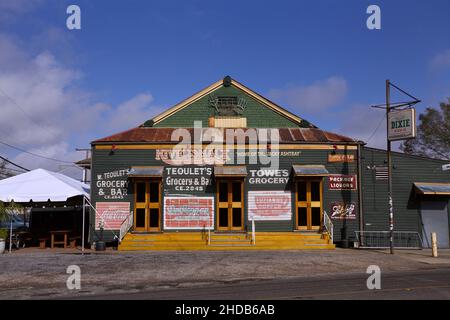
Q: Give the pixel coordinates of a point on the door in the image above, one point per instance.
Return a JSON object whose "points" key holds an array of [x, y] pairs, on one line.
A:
{"points": [[147, 205], [435, 219], [309, 204], [230, 205]]}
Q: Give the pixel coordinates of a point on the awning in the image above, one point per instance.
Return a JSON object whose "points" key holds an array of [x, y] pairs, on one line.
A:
{"points": [[146, 172], [433, 188], [230, 171], [309, 170]]}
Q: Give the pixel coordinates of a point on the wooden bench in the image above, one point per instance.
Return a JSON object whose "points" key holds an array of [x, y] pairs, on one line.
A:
{"points": [[42, 242], [73, 241]]}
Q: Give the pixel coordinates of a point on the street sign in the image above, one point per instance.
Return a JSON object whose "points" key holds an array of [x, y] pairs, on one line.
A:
{"points": [[402, 124]]}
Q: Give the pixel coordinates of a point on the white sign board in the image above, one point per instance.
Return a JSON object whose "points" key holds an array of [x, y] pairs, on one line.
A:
{"points": [[269, 205], [402, 124]]}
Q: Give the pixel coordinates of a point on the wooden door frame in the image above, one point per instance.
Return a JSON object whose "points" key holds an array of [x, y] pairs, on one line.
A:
{"points": [[309, 226], [147, 205], [230, 203]]}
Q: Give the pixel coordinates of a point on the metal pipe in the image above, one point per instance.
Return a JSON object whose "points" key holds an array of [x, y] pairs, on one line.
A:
{"points": [[360, 196], [391, 207], [84, 221]]}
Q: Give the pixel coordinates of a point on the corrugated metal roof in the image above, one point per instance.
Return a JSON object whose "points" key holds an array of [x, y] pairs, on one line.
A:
{"points": [[230, 171], [163, 135], [433, 188], [310, 170]]}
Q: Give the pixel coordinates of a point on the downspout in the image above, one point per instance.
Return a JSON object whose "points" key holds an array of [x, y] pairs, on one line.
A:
{"points": [[360, 197]]}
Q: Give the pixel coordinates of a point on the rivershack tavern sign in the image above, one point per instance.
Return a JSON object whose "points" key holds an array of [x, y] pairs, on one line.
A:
{"points": [[402, 124]]}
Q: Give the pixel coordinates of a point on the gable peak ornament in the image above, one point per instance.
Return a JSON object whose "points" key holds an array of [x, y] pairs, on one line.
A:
{"points": [[227, 105]]}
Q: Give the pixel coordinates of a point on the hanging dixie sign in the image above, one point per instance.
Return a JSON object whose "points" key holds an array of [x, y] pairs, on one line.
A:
{"points": [[402, 124], [112, 214], [269, 205], [188, 212], [342, 182]]}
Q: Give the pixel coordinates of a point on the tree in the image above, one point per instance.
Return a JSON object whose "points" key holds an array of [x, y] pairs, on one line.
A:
{"points": [[4, 172], [433, 134]]}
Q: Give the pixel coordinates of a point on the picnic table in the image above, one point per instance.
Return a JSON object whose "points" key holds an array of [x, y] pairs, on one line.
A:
{"points": [[59, 237]]}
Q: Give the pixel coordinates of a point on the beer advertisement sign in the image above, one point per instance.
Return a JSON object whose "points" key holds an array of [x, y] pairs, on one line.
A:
{"points": [[402, 124]]}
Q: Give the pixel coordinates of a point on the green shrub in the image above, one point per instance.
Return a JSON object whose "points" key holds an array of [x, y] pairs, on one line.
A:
{"points": [[3, 233]]}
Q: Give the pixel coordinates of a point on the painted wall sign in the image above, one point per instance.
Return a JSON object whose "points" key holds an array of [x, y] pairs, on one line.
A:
{"points": [[402, 124], [112, 185], [112, 214], [187, 179], [269, 205], [342, 182], [188, 213], [341, 157], [189, 155], [343, 211], [268, 176]]}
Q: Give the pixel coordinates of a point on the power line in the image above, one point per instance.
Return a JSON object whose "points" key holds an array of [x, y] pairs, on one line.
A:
{"points": [[376, 129], [28, 115], [11, 169], [14, 164], [32, 153]]}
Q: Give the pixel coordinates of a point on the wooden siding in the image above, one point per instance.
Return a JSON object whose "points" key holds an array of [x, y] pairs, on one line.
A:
{"points": [[106, 161], [258, 115], [407, 169]]}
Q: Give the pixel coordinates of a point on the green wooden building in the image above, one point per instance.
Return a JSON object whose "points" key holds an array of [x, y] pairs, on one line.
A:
{"points": [[228, 168]]}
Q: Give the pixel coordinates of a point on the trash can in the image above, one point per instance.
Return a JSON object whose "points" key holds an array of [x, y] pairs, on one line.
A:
{"points": [[100, 246]]}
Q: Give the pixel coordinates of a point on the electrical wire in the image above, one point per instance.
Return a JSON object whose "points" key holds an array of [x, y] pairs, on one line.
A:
{"points": [[376, 129], [31, 118], [14, 164], [32, 153]]}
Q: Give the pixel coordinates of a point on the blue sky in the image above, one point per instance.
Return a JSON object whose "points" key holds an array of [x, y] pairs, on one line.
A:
{"points": [[132, 59]]}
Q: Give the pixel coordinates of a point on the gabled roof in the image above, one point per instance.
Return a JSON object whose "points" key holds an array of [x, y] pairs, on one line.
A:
{"points": [[163, 135], [216, 85]]}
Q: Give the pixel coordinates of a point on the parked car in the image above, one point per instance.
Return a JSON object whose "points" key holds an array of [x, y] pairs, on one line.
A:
{"points": [[17, 223]]}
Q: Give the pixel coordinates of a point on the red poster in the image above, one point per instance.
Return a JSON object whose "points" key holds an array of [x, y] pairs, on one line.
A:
{"points": [[269, 205], [188, 212], [112, 214], [342, 182]]}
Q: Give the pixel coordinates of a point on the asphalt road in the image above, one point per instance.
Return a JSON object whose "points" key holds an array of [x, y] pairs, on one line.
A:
{"points": [[420, 284]]}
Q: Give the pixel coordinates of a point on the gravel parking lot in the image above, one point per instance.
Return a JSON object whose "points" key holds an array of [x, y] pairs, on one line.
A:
{"points": [[42, 275]]}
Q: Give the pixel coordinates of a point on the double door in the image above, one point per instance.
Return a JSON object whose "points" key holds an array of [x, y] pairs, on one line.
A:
{"points": [[308, 204], [230, 205], [147, 212]]}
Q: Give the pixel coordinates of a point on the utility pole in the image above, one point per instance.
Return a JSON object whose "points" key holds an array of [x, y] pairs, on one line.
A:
{"points": [[389, 160], [388, 106]]}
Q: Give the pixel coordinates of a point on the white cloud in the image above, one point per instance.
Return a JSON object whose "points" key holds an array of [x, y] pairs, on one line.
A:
{"points": [[441, 60], [44, 111], [367, 124], [10, 10], [314, 98]]}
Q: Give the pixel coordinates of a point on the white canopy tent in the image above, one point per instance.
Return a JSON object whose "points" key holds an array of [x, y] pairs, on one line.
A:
{"points": [[41, 185]]}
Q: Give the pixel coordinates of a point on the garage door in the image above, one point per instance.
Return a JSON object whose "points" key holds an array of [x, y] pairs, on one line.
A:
{"points": [[435, 219]]}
